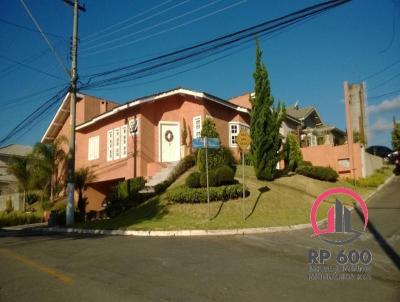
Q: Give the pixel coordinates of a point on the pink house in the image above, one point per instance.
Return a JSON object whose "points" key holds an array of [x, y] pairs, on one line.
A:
{"points": [[141, 136]]}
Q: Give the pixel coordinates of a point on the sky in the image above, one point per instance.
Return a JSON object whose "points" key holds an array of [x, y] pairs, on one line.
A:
{"points": [[308, 63]]}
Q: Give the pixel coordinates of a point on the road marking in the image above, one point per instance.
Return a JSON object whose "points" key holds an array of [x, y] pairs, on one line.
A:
{"points": [[48, 270]]}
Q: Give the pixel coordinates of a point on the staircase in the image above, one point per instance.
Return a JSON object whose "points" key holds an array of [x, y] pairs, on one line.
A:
{"points": [[159, 177]]}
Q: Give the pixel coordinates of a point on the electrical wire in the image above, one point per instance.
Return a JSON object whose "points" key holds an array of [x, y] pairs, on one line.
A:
{"points": [[384, 82], [45, 38], [207, 48], [380, 71], [89, 38], [31, 68], [112, 41], [383, 95], [29, 28], [36, 114], [138, 22]]}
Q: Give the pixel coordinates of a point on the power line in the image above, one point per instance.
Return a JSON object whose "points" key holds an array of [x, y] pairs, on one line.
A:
{"points": [[89, 38], [31, 68], [207, 48], [10, 103], [37, 113], [380, 71], [112, 41], [384, 82], [29, 28], [383, 95], [45, 38]]}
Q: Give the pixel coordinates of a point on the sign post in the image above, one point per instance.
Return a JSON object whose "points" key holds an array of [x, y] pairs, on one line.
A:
{"points": [[206, 142], [243, 140]]}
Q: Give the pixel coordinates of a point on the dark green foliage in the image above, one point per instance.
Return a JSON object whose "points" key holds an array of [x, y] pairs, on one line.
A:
{"points": [[212, 179], [184, 133], [265, 121], [31, 198], [216, 158], [225, 175], [193, 180], [185, 164], [208, 129], [306, 163], [58, 218], [83, 177], [292, 153], [18, 218], [199, 195], [124, 196], [9, 206], [396, 136], [317, 172]]}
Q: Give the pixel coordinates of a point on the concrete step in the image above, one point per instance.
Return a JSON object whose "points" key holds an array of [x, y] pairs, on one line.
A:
{"points": [[161, 175]]}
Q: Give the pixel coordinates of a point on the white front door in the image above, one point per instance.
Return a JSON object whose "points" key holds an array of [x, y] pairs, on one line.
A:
{"points": [[169, 142]]}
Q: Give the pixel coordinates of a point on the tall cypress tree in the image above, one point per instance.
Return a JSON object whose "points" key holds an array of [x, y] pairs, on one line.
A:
{"points": [[265, 121]]}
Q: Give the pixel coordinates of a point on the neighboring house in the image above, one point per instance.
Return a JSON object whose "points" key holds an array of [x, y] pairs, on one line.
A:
{"points": [[138, 138], [8, 183], [304, 122]]}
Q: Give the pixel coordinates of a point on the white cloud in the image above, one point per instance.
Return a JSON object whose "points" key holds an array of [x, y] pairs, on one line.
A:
{"points": [[381, 125], [386, 105]]}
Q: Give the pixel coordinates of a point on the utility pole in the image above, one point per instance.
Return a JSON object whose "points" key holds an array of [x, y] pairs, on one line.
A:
{"points": [[72, 117]]}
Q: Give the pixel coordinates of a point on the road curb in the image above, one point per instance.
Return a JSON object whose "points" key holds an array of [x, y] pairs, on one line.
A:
{"points": [[178, 233], [191, 233]]}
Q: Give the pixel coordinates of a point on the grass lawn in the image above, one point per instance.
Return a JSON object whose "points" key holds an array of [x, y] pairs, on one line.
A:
{"points": [[284, 201]]}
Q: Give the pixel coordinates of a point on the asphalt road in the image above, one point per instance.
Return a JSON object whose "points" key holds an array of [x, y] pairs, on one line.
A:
{"points": [[268, 267]]}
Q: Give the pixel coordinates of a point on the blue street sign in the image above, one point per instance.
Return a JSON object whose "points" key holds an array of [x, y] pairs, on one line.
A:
{"points": [[198, 143], [212, 143]]}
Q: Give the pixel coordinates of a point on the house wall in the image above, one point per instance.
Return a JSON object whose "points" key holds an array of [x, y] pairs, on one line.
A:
{"points": [[335, 157], [371, 163]]}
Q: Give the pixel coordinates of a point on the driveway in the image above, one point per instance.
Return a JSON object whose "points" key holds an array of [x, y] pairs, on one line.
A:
{"points": [[268, 267]]}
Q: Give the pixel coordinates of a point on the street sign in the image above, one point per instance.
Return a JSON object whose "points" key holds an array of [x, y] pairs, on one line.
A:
{"points": [[198, 143], [212, 143], [243, 139]]}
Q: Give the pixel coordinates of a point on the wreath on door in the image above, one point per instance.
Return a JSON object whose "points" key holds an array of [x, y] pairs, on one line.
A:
{"points": [[169, 136]]}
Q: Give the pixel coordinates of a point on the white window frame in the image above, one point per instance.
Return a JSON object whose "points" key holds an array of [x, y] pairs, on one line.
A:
{"points": [[117, 143], [124, 141], [110, 145], [93, 147], [239, 127], [197, 132]]}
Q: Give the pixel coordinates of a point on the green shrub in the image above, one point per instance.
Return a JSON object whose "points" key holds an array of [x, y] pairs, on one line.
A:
{"points": [[317, 172], [18, 218], [225, 175], [212, 179], [9, 206], [305, 163], [31, 198], [216, 158], [199, 195], [123, 196], [193, 180], [185, 164], [374, 180], [292, 153]]}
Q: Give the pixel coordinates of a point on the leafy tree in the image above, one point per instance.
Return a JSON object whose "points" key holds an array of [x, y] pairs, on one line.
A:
{"points": [[48, 159], [20, 168], [209, 129], [265, 121], [396, 136], [83, 177], [184, 133], [292, 153]]}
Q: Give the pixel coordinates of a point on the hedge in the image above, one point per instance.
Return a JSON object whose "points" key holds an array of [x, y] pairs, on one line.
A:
{"points": [[185, 164], [317, 172], [17, 218], [199, 195]]}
